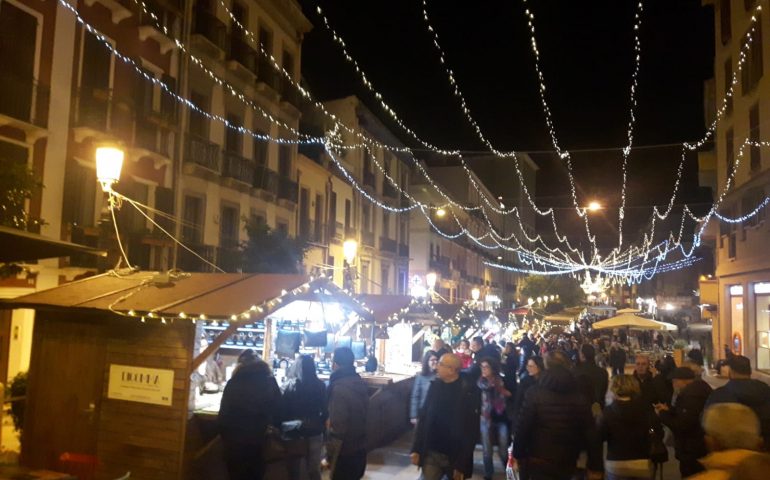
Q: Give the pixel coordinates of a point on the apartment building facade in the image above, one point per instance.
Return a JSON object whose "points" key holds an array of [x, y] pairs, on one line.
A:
{"points": [[742, 263]]}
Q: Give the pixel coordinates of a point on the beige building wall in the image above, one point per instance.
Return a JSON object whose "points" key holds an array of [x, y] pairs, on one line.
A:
{"points": [[743, 263]]}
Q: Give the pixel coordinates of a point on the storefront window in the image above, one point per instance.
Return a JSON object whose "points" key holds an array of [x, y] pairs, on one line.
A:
{"points": [[736, 317], [762, 310]]}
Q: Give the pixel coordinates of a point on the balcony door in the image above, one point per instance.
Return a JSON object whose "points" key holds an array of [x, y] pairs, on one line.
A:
{"points": [[18, 42], [94, 83]]}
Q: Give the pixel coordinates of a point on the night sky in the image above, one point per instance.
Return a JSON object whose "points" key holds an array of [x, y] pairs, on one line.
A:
{"points": [[586, 51]]}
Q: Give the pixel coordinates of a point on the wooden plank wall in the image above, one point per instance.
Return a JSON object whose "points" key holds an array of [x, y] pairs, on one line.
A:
{"points": [[147, 440]]}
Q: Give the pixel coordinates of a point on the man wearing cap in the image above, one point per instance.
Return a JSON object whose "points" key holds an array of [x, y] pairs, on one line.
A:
{"points": [[741, 388], [684, 419]]}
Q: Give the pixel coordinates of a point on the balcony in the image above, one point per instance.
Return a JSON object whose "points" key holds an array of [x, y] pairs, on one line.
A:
{"points": [[209, 34], [404, 202], [335, 231], [237, 167], [287, 189], [351, 232], [367, 238], [229, 258], [120, 9], [162, 29], [265, 180], [440, 265], [93, 113], [241, 56], [202, 152], [388, 190], [266, 73], [388, 245], [403, 250], [24, 105], [368, 179], [289, 92], [189, 262], [150, 140]]}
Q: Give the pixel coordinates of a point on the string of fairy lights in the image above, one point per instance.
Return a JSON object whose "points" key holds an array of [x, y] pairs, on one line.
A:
{"points": [[630, 264]]}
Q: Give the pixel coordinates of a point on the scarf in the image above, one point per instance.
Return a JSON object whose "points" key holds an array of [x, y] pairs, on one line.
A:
{"points": [[492, 399]]}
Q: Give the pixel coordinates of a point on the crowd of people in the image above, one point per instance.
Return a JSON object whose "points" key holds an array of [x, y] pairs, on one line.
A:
{"points": [[556, 408]]}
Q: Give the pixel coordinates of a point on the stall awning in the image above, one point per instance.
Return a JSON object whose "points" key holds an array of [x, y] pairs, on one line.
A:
{"points": [[216, 295], [557, 318], [20, 246], [392, 308], [634, 322]]}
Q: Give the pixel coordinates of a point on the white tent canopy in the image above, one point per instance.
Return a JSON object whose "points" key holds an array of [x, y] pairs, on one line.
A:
{"points": [[634, 322]]}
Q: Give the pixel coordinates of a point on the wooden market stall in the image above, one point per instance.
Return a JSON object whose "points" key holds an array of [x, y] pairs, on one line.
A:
{"points": [[113, 357]]}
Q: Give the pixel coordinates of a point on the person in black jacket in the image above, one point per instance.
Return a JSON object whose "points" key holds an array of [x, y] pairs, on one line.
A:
{"points": [[348, 404], [617, 359], [448, 424], [304, 398], [625, 425], [535, 367], [684, 419], [249, 404], [593, 380], [650, 388], [554, 425], [741, 388]]}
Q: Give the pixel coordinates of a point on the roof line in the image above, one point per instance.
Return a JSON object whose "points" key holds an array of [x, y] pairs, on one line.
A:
{"points": [[200, 294]]}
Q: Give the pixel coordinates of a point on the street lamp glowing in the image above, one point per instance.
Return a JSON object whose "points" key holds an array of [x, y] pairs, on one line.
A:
{"points": [[349, 250], [475, 294], [594, 206], [440, 213], [109, 162], [430, 280], [530, 301]]}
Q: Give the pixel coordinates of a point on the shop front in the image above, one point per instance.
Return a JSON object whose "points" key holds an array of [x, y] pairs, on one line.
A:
{"points": [[743, 325]]}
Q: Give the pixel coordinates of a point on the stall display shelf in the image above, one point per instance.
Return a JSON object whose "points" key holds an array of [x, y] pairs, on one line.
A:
{"points": [[240, 329], [258, 347]]}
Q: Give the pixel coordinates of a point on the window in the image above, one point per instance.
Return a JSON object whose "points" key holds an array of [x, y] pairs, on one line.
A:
{"points": [[385, 224], [233, 138], [728, 72], [366, 218], [228, 226], [752, 69], [347, 215], [747, 4], [762, 311], [725, 20], [319, 222], [18, 43], [192, 228], [284, 160], [751, 200], [80, 191], [333, 214], [736, 313], [729, 153], [403, 230], [385, 279], [199, 124], [365, 277], [304, 213], [93, 105], [260, 150], [266, 40], [288, 63], [755, 153]]}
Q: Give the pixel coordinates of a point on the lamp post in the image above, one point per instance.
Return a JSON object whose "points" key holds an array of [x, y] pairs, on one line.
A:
{"points": [[430, 281], [109, 162], [475, 294], [349, 251]]}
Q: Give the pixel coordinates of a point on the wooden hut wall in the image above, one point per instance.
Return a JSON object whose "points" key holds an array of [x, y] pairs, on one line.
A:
{"points": [[69, 372]]}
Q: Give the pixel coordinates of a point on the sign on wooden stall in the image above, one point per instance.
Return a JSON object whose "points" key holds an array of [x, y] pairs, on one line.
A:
{"points": [[140, 384]]}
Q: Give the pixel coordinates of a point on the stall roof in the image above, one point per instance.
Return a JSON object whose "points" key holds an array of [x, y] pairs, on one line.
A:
{"points": [[20, 246], [448, 311], [633, 322], [216, 295], [383, 307], [559, 317]]}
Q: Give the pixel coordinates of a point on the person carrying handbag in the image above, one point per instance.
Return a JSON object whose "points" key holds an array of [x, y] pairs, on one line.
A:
{"points": [[304, 400]]}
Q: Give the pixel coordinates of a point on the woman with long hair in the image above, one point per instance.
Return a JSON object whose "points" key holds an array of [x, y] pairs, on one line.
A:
{"points": [[304, 399], [534, 367], [493, 420], [422, 383]]}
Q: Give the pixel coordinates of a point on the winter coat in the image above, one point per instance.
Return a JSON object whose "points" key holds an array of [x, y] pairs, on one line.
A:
{"points": [[249, 404], [684, 420], [617, 357], [555, 424], [348, 404], [593, 381], [306, 401], [752, 393], [720, 465], [653, 389], [465, 428], [419, 392], [625, 425], [510, 370], [518, 399]]}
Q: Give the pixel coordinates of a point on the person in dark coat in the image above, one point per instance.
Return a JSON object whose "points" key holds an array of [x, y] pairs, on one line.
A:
{"points": [[448, 424], [625, 425], [481, 351], [535, 367], [554, 425], [741, 388], [304, 398], [527, 345], [650, 389], [663, 384], [348, 405], [421, 384], [510, 367], [617, 359], [593, 380], [684, 419], [249, 404]]}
